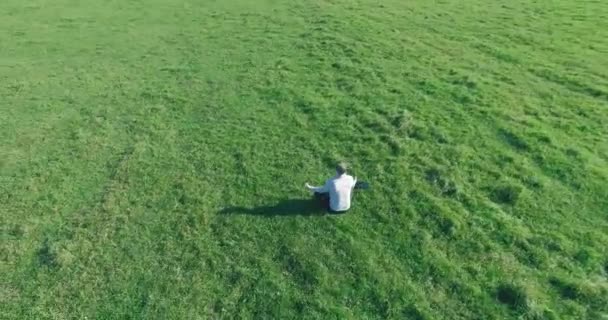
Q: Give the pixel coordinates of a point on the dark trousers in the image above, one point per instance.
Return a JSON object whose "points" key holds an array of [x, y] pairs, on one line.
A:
{"points": [[323, 199]]}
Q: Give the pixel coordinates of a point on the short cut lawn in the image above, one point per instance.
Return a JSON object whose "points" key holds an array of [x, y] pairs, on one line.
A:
{"points": [[153, 156]]}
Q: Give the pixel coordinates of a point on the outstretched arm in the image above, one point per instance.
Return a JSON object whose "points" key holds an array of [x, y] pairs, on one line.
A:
{"points": [[317, 189]]}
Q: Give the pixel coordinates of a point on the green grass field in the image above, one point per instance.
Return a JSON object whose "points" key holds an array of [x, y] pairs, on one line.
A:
{"points": [[153, 156]]}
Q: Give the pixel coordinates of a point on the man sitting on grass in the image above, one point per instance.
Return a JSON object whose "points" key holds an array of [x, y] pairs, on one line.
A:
{"points": [[336, 193]]}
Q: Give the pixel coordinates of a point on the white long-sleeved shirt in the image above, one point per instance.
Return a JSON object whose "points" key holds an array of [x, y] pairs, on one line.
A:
{"points": [[340, 189]]}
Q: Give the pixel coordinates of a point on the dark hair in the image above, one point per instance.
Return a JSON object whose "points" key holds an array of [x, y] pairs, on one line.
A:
{"points": [[341, 168]]}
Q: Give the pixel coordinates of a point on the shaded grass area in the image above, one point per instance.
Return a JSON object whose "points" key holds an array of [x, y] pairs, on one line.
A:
{"points": [[154, 156]]}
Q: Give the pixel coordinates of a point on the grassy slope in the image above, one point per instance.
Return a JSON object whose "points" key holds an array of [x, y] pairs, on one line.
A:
{"points": [[133, 131]]}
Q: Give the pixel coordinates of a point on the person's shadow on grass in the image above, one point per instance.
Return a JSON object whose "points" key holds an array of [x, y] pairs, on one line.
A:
{"points": [[287, 207], [314, 206]]}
